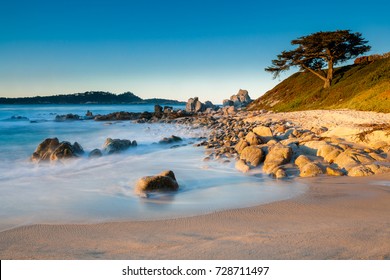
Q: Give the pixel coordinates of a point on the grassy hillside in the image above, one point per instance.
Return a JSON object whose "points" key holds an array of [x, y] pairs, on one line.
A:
{"points": [[362, 87]]}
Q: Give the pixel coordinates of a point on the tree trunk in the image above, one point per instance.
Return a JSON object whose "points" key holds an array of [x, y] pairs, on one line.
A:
{"points": [[329, 76]]}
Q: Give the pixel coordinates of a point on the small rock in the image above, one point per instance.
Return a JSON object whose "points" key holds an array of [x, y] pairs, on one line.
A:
{"points": [[112, 146], [241, 166], [168, 140], [165, 181], [95, 153]]}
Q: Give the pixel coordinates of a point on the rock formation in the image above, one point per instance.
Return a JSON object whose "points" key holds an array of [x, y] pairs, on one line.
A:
{"points": [[241, 99], [52, 150]]}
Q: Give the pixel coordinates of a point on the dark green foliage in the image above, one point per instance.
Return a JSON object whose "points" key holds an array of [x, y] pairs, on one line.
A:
{"points": [[93, 97], [318, 50]]}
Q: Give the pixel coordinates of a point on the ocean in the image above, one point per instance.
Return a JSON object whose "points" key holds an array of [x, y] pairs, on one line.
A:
{"points": [[96, 190]]}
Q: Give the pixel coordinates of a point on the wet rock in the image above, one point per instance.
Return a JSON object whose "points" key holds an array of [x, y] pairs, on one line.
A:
{"points": [[241, 166], [163, 182], [118, 116], [171, 139], [252, 155], [67, 117], [279, 174], [66, 150], [158, 111], [95, 153], [89, 115], [112, 146], [52, 149]]}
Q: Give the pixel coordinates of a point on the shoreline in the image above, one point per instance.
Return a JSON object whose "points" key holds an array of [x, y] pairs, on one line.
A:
{"points": [[337, 218]]}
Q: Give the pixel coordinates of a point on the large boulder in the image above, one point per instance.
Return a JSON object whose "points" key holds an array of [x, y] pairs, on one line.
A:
{"points": [[112, 146], [51, 150], [264, 132], [165, 181], [241, 145], [252, 155], [277, 155], [195, 106], [241, 99]]}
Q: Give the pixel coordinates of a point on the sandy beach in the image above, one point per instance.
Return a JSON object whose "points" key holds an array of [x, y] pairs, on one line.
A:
{"points": [[337, 218]]}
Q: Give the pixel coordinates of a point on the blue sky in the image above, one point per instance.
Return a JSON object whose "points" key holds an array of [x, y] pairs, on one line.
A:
{"points": [[169, 49]]}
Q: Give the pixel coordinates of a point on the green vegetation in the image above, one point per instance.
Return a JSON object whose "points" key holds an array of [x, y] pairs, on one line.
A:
{"points": [[363, 86], [89, 97]]}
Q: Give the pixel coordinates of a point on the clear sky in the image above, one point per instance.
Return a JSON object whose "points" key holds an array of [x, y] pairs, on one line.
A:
{"points": [[170, 49]]}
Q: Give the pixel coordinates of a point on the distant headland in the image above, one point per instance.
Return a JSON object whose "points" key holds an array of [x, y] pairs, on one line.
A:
{"points": [[89, 97]]}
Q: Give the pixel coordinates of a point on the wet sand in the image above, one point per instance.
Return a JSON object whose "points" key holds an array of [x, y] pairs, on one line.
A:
{"points": [[337, 218]]}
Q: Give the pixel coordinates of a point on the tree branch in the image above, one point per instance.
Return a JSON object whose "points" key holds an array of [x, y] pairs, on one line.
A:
{"points": [[314, 72]]}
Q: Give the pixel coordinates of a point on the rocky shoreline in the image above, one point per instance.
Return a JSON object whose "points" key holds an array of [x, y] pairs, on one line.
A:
{"points": [[280, 147]]}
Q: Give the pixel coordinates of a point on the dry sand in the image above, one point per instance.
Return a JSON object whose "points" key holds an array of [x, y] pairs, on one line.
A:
{"points": [[337, 218]]}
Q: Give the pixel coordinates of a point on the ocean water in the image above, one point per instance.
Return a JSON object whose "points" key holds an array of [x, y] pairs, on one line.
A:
{"points": [[102, 189]]}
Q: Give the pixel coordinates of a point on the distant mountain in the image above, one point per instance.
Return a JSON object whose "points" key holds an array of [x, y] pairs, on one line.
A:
{"points": [[89, 97], [364, 86]]}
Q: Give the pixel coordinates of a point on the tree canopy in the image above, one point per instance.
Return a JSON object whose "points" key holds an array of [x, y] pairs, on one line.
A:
{"points": [[318, 50]]}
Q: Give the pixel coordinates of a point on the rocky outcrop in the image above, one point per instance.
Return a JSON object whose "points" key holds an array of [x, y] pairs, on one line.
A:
{"points": [[371, 58], [241, 99], [52, 150], [118, 116], [112, 146], [165, 181], [195, 106]]}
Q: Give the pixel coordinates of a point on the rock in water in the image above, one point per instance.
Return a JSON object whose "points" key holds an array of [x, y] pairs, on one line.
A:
{"points": [[158, 111], [95, 153], [168, 140], [252, 155], [165, 181], [52, 149], [112, 146]]}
